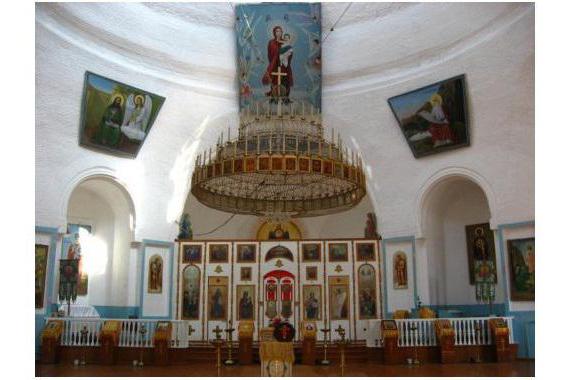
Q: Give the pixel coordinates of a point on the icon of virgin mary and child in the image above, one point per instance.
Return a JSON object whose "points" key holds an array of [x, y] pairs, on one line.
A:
{"points": [[279, 74]]}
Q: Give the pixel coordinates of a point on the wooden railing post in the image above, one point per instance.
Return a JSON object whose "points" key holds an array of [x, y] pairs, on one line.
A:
{"points": [[309, 336], [446, 340], [500, 334], [109, 339], [50, 339], [161, 340], [390, 339], [245, 339]]}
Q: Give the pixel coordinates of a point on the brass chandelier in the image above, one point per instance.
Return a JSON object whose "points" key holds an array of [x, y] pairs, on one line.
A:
{"points": [[279, 166]]}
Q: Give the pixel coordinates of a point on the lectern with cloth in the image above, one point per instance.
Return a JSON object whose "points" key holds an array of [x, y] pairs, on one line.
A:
{"points": [[276, 358]]}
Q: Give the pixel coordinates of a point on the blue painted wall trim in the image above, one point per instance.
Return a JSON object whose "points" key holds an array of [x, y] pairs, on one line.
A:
{"points": [[467, 310], [163, 244], [119, 312], [526, 223], [399, 239]]}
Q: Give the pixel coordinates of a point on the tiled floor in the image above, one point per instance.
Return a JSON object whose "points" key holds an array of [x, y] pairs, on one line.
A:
{"points": [[518, 368]]}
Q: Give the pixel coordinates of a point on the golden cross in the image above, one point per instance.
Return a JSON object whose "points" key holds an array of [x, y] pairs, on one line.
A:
{"points": [[340, 332], [218, 332]]}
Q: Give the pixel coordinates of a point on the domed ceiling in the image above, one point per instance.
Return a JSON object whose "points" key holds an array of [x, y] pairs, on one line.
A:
{"points": [[186, 52], [189, 43]]}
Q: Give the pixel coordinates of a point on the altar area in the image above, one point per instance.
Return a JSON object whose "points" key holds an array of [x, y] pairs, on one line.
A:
{"points": [[230, 292], [331, 282]]}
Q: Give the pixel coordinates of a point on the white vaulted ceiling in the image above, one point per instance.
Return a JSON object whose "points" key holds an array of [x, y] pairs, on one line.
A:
{"points": [[192, 44], [186, 52]]}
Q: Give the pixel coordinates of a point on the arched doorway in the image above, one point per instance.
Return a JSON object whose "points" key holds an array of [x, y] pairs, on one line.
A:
{"points": [[453, 208], [101, 218], [279, 288]]}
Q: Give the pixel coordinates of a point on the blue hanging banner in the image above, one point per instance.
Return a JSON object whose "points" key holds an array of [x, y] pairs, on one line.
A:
{"points": [[279, 57]]}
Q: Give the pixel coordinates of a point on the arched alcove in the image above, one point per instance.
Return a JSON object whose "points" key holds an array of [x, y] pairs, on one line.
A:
{"points": [[106, 207], [451, 204]]}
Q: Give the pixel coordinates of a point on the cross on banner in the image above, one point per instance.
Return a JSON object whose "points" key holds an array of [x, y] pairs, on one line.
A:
{"points": [[279, 74], [190, 330]]}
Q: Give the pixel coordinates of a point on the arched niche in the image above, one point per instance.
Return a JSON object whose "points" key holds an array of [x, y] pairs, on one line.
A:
{"points": [[104, 204], [451, 203]]}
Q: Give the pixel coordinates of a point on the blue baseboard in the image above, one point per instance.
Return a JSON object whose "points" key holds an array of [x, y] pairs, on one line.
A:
{"points": [[523, 332], [39, 327]]}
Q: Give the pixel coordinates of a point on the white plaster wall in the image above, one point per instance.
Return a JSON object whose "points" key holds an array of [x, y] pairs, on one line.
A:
{"points": [[135, 267], [102, 205], [496, 57], [87, 205]]}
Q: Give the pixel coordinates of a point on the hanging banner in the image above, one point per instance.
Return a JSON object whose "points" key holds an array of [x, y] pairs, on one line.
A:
{"points": [[279, 57]]}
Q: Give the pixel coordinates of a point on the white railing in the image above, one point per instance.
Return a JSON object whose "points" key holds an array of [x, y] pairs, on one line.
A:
{"points": [[416, 332], [130, 331], [72, 336], [468, 331], [411, 332]]}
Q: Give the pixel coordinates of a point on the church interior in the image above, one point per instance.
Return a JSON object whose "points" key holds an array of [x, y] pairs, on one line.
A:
{"points": [[284, 189]]}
